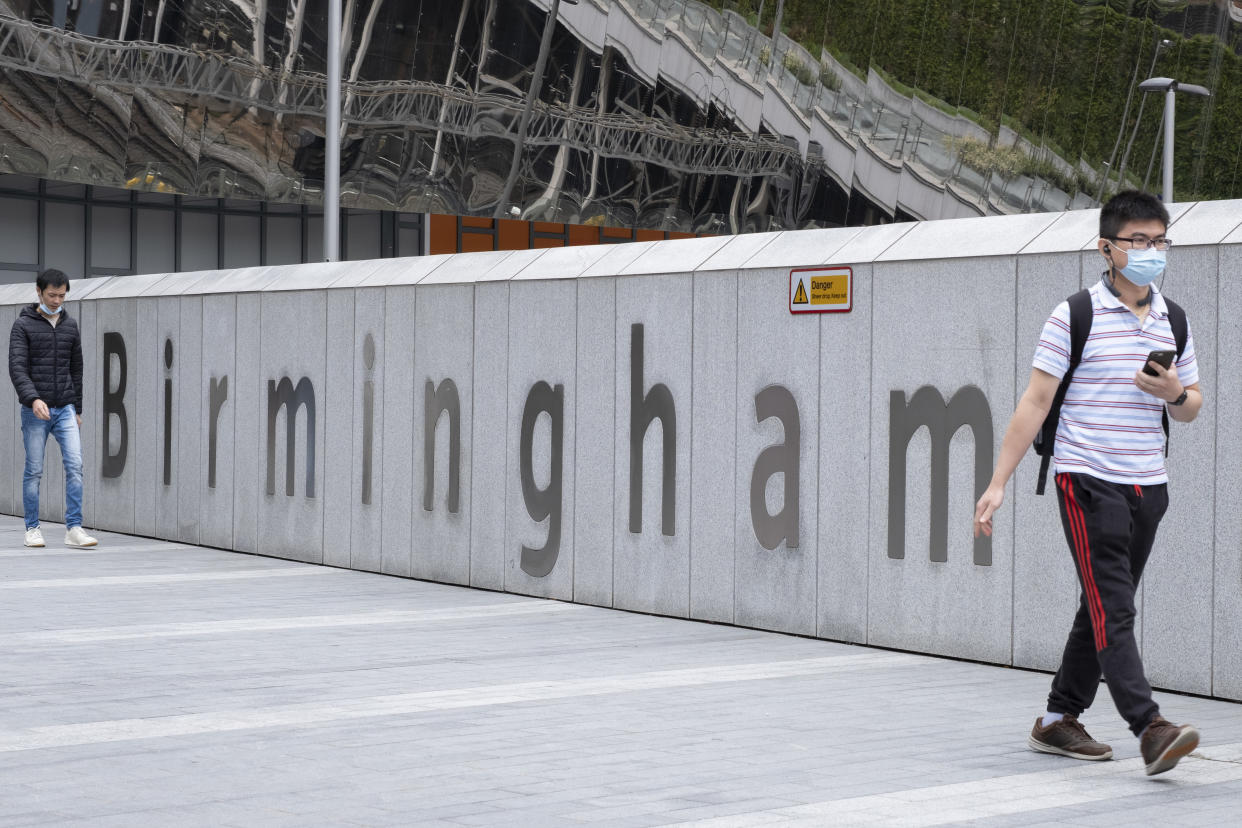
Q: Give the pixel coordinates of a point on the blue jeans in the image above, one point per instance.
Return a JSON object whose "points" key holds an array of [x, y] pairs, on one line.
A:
{"points": [[64, 427]]}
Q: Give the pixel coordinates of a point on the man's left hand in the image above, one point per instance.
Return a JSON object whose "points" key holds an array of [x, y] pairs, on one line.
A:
{"points": [[1165, 385], [79, 417]]}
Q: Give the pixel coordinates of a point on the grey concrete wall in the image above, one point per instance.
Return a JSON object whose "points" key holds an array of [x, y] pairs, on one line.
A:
{"points": [[647, 427]]}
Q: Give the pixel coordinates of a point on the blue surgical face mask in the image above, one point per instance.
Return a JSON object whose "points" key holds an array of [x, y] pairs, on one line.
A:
{"points": [[48, 310], [1143, 266]]}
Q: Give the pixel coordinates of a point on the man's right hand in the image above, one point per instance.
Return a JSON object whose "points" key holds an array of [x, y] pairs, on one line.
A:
{"points": [[40, 410], [992, 499]]}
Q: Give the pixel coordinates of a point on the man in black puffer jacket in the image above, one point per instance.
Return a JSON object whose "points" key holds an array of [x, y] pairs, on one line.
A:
{"points": [[45, 365]]}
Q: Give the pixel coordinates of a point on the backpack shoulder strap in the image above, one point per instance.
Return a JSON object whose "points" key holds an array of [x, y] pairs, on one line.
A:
{"points": [[1081, 314], [1177, 321], [1080, 317], [1181, 332]]}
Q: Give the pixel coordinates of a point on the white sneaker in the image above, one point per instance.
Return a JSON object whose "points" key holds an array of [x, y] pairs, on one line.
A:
{"points": [[34, 537], [78, 537]]}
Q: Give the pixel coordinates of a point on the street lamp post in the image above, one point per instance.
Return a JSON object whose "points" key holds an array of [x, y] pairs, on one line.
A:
{"points": [[1170, 87], [332, 140], [536, 82]]}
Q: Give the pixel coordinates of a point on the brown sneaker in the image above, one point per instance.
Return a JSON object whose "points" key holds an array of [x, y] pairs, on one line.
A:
{"points": [[1164, 744], [1067, 738]]}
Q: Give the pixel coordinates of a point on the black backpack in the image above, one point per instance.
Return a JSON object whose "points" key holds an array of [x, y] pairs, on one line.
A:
{"points": [[1081, 314]]}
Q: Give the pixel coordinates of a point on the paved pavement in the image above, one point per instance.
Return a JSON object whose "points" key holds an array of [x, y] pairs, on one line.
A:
{"points": [[150, 683]]}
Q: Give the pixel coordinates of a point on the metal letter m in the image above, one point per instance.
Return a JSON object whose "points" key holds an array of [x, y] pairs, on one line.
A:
{"points": [[969, 407]]}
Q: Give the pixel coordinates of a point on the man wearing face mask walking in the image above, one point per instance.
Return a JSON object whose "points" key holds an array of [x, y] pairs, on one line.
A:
{"points": [[1110, 475], [45, 365]]}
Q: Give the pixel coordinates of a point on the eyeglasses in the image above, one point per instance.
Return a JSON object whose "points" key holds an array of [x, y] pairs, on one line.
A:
{"points": [[1144, 243]]}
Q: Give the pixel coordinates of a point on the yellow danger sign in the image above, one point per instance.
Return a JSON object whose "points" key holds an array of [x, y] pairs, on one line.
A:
{"points": [[821, 290], [830, 290]]}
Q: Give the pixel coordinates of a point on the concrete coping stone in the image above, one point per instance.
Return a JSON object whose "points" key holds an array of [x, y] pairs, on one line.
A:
{"points": [[796, 248], [1073, 230], [506, 269], [686, 256], [619, 257], [392, 272], [1207, 222], [125, 287], [562, 263], [1199, 223], [964, 238], [739, 250], [21, 294]]}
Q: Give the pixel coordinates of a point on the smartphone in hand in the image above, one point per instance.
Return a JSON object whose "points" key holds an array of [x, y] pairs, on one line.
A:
{"points": [[1162, 358]]}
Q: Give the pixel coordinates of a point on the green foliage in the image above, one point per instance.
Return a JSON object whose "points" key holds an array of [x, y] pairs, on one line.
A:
{"points": [[979, 156], [1010, 161], [828, 78], [794, 65], [1056, 71], [846, 62]]}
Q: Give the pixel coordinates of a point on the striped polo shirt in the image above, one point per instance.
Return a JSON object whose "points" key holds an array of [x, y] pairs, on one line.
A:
{"points": [[1109, 428]]}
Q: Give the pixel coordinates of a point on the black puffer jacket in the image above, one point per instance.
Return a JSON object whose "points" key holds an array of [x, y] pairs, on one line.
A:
{"points": [[45, 362]]}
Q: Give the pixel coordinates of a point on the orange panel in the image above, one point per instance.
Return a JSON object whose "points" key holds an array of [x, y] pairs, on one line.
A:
{"points": [[477, 242], [583, 234], [616, 234], [548, 227], [514, 235], [474, 242], [441, 234]]}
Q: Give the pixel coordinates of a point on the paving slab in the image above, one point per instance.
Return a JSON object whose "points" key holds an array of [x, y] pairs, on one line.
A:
{"points": [[152, 683]]}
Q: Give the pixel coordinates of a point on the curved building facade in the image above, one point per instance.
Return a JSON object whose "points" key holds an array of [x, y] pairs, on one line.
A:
{"points": [[665, 115]]}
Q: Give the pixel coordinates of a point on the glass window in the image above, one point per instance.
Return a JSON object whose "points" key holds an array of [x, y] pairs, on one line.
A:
{"points": [[364, 236], [19, 243], [198, 242], [409, 241], [156, 251], [284, 240], [314, 239], [198, 202], [110, 237], [64, 240], [241, 241], [109, 194], [19, 183], [242, 204], [66, 189]]}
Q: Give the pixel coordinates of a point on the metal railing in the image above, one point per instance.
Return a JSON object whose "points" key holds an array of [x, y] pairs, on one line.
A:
{"points": [[128, 65], [856, 113]]}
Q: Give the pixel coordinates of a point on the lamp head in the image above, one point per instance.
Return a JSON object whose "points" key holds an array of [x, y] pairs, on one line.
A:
{"points": [[1166, 84]]}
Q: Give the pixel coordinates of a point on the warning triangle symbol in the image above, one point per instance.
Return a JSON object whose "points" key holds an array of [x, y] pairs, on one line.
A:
{"points": [[800, 295]]}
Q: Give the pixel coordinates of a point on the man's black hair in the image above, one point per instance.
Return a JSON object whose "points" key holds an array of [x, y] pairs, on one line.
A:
{"points": [[1128, 206], [52, 278]]}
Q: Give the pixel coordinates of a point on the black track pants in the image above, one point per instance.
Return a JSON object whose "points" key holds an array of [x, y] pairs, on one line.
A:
{"points": [[1110, 528]]}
